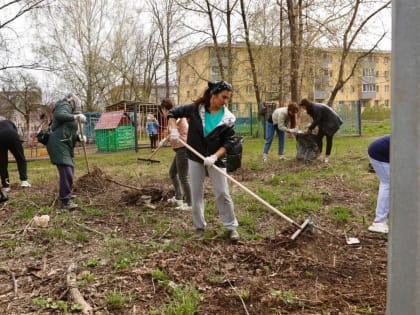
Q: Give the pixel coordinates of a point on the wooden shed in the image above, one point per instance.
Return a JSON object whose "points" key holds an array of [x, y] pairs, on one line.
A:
{"points": [[114, 131]]}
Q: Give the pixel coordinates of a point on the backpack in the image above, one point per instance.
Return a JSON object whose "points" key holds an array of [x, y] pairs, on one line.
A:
{"points": [[234, 156], [306, 148], [43, 135]]}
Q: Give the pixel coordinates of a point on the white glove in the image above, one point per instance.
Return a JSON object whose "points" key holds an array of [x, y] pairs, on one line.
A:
{"points": [[210, 160], [80, 117], [294, 130], [82, 138], [161, 143], [173, 134]]}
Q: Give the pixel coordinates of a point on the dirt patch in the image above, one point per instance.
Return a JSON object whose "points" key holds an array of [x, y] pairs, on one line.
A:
{"points": [[131, 230]]}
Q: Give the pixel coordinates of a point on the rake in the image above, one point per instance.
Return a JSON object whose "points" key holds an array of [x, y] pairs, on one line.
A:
{"points": [[149, 160], [308, 223]]}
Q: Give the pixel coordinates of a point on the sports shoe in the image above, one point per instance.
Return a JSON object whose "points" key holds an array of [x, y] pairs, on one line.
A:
{"points": [[69, 205], [234, 235], [184, 207], [25, 183], [175, 201], [379, 227], [198, 234], [5, 189], [326, 160], [282, 157]]}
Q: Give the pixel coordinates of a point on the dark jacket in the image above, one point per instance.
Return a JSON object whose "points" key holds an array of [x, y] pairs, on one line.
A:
{"points": [[221, 136], [8, 133], [325, 118], [379, 149], [63, 136]]}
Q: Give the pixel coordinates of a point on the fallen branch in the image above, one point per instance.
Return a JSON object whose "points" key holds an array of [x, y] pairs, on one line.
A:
{"points": [[12, 275], [89, 229], [240, 297], [123, 185], [75, 294]]}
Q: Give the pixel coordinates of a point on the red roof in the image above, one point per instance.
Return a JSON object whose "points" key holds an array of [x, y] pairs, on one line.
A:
{"points": [[111, 120]]}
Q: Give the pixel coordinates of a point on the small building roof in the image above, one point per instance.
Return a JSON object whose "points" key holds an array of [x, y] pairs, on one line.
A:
{"points": [[111, 120]]}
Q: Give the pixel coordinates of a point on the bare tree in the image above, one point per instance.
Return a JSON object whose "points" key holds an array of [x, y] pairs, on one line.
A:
{"points": [[11, 11], [167, 18], [353, 29], [78, 46], [250, 54], [21, 94]]}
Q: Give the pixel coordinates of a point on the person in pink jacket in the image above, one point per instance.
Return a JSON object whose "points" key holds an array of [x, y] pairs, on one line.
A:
{"points": [[178, 171]]}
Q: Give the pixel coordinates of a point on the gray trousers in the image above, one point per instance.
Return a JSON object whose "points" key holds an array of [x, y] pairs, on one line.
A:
{"points": [[220, 190], [178, 172]]}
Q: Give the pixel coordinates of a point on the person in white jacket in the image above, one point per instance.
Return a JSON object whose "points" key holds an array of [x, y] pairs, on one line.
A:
{"points": [[284, 120]]}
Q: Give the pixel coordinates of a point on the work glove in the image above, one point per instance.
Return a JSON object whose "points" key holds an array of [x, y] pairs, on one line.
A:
{"points": [[173, 134], [210, 160], [82, 138], [80, 117], [161, 143]]}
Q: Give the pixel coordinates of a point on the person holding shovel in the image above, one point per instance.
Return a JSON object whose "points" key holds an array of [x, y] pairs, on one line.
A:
{"points": [[211, 134], [178, 171], [60, 146]]}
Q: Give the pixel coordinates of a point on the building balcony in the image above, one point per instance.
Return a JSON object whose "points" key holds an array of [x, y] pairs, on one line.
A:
{"points": [[320, 80], [320, 95], [367, 95], [368, 80]]}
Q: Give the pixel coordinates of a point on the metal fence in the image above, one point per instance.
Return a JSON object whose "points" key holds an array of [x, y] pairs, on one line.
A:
{"points": [[248, 123]]}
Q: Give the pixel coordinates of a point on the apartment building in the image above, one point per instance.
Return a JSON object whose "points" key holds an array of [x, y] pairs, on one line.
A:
{"points": [[369, 84]]}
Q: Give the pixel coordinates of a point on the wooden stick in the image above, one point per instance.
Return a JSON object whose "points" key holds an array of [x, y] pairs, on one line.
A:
{"points": [[83, 145], [74, 292]]}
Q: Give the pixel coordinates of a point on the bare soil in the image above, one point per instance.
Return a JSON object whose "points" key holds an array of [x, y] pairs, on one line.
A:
{"points": [[318, 273]]}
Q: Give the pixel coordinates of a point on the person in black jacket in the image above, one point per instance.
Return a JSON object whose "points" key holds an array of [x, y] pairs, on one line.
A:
{"points": [[327, 121], [10, 140], [210, 133]]}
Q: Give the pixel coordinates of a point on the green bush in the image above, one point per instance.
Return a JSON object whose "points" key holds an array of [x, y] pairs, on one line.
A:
{"points": [[377, 113]]}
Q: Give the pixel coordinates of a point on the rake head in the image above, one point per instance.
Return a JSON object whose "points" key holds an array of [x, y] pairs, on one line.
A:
{"points": [[148, 161], [308, 224]]}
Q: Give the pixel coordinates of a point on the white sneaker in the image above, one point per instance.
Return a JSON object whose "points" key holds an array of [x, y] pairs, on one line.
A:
{"points": [[326, 160], [379, 227], [175, 201], [25, 183], [184, 207], [264, 158], [6, 189]]}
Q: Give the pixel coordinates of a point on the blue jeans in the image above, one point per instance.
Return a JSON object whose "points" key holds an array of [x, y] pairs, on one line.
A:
{"points": [[269, 135], [382, 169]]}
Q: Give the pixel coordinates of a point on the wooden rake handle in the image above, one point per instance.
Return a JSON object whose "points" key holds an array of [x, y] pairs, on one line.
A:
{"points": [[247, 190], [83, 145]]}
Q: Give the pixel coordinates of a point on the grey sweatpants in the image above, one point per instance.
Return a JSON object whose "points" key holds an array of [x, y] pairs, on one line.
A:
{"points": [[221, 192]]}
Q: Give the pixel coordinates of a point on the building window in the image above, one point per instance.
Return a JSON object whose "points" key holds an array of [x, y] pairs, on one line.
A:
{"points": [[387, 103], [353, 103], [368, 87], [377, 74], [386, 60], [377, 88], [188, 94], [234, 107], [341, 104], [352, 89], [386, 89], [386, 75], [376, 103], [249, 89], [195, 92], [368, 72]]}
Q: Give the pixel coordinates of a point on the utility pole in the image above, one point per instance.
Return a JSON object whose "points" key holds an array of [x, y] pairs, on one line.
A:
{"points": [[403, 294]]}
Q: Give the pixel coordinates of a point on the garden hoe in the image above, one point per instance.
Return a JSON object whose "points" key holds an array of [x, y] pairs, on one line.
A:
{"points": [[307, 224], [149, 159]]}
